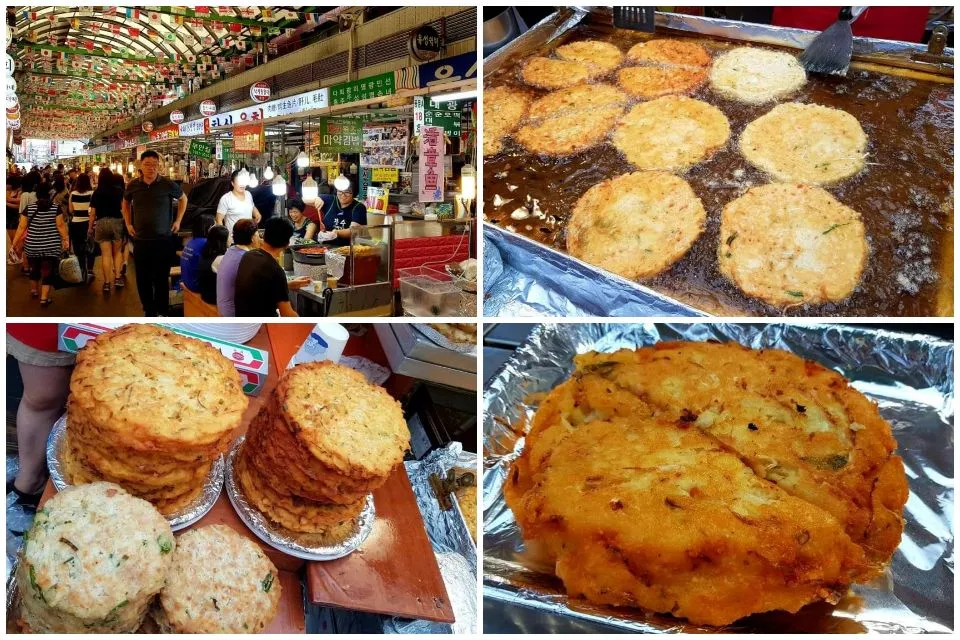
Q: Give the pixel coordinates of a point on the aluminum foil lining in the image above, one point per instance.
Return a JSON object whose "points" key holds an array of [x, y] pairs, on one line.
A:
{"points": [[183, 518], [13, 598], [439, 339], [909, 376], [461, 584], [552, 283], [447, 530], [291, 542]]}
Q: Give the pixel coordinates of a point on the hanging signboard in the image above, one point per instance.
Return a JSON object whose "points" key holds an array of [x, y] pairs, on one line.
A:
{"points": [[373, 87], [338, 135], [425, 43], [176, 117], [147, 126], [11, 85], [260, 92], [462, 67], [168, 132], [381, 174], [9, 64], [208, 107], [248, 138], [384, 145], [195, 128], [445, 114], [11, 100], [200, 149], [292, 105], [432, 151]]}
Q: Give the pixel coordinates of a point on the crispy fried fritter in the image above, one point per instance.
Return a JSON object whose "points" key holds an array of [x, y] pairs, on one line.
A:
{"points": [[550, 73], [503, 110], [790, 244], [709, 481], [669, 51], [567, 134], [582, 97], [805, 143], [671, 133], [600, 57], [653, 82], [637, 224], [755, 76]]}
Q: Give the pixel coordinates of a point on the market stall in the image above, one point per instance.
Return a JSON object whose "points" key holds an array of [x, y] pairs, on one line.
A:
{"points": [[382, 560]]}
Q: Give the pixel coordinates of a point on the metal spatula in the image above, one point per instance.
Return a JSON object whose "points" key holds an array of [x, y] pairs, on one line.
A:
{"points": [[636, 18], [830, 52]]}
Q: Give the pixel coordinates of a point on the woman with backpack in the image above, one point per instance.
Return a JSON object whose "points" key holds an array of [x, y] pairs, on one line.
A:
{"points": [[46, 239]]}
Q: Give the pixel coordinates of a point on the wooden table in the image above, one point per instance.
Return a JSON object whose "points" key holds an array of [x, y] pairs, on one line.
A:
{"points": [[394, 572]]}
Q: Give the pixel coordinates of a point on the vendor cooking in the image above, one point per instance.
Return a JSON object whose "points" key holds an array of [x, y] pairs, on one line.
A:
{"points": [[340, 213]]}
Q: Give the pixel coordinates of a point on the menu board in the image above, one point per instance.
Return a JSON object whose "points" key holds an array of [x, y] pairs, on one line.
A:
{"points": [[248, 138], [384, 145], [445, 114]]}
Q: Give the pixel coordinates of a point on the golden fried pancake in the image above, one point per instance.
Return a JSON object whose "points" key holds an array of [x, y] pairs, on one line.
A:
{"points": [[789, 244], [653, 82], [600, 57], [755, 76], [550, 73], [671, 133], [582, 97], [667, 51], [805, 143], [568, 134], [637, 224], [503, 110]]}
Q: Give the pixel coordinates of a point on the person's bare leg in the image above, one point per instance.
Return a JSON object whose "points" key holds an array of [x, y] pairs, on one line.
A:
{"points": [[106, 262], [117, 258], [45, 392]]}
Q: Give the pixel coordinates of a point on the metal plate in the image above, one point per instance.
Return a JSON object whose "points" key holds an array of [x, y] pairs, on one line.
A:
{"points": [[909, 376], [183, 518], [291, 542]]}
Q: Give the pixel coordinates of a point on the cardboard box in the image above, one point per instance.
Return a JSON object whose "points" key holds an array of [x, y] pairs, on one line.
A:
{"points": [[252, 363]]}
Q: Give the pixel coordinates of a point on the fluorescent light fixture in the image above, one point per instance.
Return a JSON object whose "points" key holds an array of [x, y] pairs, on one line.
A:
{"points": [[448, 97]]}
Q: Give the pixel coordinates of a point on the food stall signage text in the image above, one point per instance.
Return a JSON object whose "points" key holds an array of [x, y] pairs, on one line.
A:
{"points": [[248, 138], [373, 87], [462, 67], [339, 135], [316, 99], [200, 149], [432, 150]]}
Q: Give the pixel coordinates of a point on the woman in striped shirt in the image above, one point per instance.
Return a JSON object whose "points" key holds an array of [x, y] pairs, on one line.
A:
{"points": [[46, 241], [80, 224]]}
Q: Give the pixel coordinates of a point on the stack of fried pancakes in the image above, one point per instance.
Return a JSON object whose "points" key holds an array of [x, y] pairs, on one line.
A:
{"points": [[321, 443], [151, 411]]}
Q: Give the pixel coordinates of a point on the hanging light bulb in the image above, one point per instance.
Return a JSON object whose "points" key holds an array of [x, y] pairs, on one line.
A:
{"points": [[130, 168], [341, 183], [279, 186], [310, 189], [252, 181], [302, 160], [243, 177], [268, 173], [96, 168], [468, 182]]}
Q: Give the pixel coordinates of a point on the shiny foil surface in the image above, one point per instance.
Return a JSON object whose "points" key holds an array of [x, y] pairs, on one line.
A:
{"points": [[183, 518], [439, 339], [910, 377], [296, 544]]}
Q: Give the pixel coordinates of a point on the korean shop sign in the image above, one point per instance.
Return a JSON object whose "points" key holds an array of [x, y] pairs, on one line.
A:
{"points": [[461, 67], [373, 87], [200, 149], [168, 132], [291, 105], [430, 114], [339, 135], [425, 43], [432, 150]]}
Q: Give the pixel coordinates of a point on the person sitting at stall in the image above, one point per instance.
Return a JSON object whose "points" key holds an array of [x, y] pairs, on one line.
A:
{"points": [[303, 227], [190, 257], [245, 238], [261, 286], [237, 203], [215, 247], [341, 213]]}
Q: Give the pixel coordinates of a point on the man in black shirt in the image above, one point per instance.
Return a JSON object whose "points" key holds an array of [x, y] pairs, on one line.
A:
{"points": [[262, 287], [153, 207]]}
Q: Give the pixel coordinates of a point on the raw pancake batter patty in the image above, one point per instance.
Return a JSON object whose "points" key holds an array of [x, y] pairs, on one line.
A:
{"points": [[671, 133], [503, 110], [636, 225], [805, 143], [788, 244], [755, 76]]}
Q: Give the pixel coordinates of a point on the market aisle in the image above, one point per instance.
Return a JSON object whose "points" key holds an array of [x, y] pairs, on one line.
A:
{"points": [[80, 301]]}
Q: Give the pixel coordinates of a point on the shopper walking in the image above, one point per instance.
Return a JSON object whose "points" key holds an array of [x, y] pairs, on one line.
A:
{"points": [[153, 208], [106, 227], [79, 207], [46, 238]]}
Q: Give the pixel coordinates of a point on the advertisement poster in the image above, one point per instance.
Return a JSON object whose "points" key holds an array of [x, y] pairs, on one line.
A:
{"points": [[432, 151], [248, 138], [386, 175], [376, 201], [384, 145]]}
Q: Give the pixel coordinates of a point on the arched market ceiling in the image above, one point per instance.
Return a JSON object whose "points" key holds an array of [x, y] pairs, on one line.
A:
{"points": [[81, 70]]}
